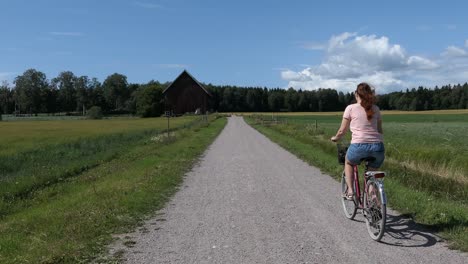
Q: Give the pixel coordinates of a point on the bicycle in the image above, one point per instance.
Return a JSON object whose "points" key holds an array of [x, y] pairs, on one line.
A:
{"points": [[372, 201]]}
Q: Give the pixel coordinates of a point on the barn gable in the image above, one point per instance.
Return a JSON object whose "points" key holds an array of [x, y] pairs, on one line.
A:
{"points": [[186, 95]]}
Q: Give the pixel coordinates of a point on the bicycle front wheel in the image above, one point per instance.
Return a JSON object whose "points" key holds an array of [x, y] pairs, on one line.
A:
{"points": [[375, 210], [349, 206]]}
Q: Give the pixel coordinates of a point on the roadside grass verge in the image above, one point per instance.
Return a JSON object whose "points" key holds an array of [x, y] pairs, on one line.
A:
{"points": [[437, 203], [73, 220]]}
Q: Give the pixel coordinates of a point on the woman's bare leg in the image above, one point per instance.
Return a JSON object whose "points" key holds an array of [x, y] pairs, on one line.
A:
{"points": [[349, 176]]}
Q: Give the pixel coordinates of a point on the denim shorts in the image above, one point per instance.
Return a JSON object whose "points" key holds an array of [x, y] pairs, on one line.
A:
{"points": [[358, 151]]}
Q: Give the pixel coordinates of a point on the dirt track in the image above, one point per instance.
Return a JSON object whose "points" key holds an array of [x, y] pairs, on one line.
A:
{"points": [[250, 201]]}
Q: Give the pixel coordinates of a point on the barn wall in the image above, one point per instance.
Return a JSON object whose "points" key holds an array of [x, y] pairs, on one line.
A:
{"points": [[185, 95]]}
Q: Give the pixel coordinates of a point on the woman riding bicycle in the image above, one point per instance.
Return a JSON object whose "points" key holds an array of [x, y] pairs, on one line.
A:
{"points": [[364, 120]]}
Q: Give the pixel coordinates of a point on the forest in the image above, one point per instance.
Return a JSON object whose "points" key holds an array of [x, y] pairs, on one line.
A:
{"points": [[32, 93]]}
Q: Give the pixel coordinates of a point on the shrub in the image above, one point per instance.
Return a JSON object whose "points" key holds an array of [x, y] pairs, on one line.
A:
{"points": [[95, 112]]}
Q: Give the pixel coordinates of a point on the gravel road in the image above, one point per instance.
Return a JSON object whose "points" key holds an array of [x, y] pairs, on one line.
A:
{"points": [[250, 201]]}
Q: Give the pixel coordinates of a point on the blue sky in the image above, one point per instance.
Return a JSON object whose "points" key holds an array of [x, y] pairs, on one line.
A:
{"points": [[304, 44]]}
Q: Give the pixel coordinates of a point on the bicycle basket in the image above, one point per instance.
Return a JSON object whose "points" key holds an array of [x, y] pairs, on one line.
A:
{"points": [[342, 148]]}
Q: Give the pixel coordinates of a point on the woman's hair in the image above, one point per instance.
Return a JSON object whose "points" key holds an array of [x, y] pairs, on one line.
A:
{"points": [[367, 95]]}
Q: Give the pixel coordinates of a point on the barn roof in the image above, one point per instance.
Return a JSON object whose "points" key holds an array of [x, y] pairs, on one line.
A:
{"points": [[193, 78]]}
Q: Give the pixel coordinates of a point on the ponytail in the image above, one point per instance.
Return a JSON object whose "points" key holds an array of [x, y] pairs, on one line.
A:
{"points": [[367, 95]]}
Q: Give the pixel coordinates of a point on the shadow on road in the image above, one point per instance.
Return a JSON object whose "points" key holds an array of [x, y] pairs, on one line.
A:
{"points": [[401, 231]]}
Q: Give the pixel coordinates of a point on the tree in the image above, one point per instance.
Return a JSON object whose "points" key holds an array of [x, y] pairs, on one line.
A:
{"points": [[29, 90], [96, 94], [149, 100], [115, 91], [6, 98], [328, 100], [251, 100], [227, 100], [50, 96], [275, 100], [415, 105], [130, 104], [291, 100], [82, 93], [65, 84]]}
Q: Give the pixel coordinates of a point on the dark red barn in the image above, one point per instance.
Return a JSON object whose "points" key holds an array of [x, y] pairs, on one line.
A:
{"points": [[186, 95]]}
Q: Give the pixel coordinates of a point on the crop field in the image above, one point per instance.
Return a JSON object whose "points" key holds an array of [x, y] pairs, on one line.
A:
{"points": [[426, 157]]}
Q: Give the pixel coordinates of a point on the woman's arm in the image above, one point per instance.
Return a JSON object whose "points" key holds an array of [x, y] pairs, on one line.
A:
{"points": [[379, 126], [342, 131]]}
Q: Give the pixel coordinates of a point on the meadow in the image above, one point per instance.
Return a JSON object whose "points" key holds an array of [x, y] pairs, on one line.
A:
{"points": [[66, 186], [426, 157], [432, 141], [18, 136]]}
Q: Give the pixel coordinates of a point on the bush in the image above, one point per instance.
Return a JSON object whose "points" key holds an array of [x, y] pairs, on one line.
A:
{"points": [[149, 100], [95, 112]]}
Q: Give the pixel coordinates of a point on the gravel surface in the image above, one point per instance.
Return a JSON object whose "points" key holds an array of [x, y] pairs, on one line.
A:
{"points": [[250, 201]]}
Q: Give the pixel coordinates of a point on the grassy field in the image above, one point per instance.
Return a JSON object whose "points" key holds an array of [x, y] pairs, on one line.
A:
{"points": [[17, 136], [392, 112], [427, 160], [37, 154], [431, 143], [67, 198]]}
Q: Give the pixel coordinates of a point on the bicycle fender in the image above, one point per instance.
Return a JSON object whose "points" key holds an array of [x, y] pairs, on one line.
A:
{"points": [[382, 192]]}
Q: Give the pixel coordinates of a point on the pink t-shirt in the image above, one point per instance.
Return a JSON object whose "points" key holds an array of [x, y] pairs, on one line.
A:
{"points": [[363, 130]]}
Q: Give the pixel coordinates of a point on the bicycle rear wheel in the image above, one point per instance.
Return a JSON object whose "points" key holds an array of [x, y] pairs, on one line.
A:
{"points": [[349, 206], [375, 211]]}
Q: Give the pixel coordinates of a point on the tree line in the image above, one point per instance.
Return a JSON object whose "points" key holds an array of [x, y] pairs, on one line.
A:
{"points": [[422, 98], [33, 93]]}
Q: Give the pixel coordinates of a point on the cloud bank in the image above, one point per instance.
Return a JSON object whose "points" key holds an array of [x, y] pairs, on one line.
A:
{"points": [[350, 58]]}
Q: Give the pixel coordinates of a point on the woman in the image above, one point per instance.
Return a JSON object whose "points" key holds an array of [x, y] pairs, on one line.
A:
{"points": [[364, 120]]}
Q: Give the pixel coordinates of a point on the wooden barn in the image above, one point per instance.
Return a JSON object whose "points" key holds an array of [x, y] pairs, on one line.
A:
{"points": [[186, 95]]}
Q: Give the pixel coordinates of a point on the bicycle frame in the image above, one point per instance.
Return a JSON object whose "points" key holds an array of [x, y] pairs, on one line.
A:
{"points": [[359, 197], [371, 201], [357, 187]]}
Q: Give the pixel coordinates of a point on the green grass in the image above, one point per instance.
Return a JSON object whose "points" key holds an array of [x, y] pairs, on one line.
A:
{"points": [[436, 202], [18, 136], [79, 146], [73, 219], [430, 143]]}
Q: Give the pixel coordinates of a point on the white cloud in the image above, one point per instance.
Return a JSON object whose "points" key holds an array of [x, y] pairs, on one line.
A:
{"points": [[313, 45], [453, 51], [350, 58], [421, 63], [66, 33], [310, 81]]}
